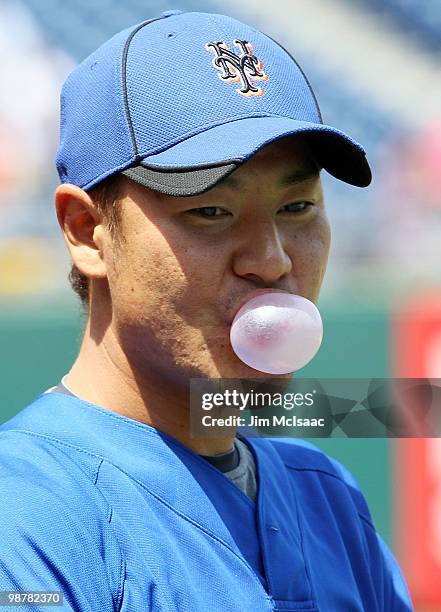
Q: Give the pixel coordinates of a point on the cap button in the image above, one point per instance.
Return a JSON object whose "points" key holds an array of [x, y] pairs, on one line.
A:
{"points": [[171, 13]]}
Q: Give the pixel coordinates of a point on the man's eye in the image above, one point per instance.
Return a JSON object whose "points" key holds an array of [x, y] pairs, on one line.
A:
{"points": [[212, 212], [208, 212], [297, 207]]}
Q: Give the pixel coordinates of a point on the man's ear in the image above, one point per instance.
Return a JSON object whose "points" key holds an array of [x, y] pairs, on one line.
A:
{"points": [[83, 230]]}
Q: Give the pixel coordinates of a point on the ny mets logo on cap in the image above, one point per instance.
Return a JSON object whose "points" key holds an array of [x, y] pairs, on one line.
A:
{"points": [[244, 68]]}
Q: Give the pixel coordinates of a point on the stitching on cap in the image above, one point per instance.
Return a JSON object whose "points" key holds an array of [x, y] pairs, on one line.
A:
{"points": [[302, 72], [124, 81]]}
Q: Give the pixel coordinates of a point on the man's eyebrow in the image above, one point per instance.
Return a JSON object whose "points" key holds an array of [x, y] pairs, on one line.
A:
{"points": [[300, 174]]}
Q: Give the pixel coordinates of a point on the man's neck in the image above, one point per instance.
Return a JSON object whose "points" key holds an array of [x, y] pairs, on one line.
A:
{"points": [[102, 375]]}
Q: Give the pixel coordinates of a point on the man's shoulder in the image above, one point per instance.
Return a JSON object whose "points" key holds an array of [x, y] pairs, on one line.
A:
{"points": [[29, 454], [45, 468]]}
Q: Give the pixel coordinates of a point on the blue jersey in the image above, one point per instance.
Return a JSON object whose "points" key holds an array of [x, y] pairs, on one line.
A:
{"points": [[119, 516]]}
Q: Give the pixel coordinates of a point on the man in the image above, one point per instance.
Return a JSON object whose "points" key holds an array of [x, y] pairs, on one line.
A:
{"points": [[208, 137]]}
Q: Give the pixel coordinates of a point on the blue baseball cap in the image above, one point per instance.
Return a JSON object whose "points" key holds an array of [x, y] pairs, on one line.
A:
{"points": [[178, 102]]}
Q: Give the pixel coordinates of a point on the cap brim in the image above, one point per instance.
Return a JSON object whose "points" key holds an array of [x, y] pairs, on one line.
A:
{"points": [[203, 160]]}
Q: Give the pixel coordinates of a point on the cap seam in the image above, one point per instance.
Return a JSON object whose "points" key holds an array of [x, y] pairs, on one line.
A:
{"points": [[209, 126], [120, 102], [194, 168], [311, 90], [159, 184], [104, 175], [124, 81], [255, 116]]}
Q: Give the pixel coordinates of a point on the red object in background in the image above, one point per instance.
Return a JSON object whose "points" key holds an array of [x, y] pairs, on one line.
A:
{"points": [[416, 337]]}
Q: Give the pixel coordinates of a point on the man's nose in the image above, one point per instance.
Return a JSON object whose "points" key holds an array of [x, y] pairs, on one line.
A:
{"points": [[261, 253]]}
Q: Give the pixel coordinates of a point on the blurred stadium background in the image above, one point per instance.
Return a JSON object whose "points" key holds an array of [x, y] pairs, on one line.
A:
{"points": [[375, 66]]}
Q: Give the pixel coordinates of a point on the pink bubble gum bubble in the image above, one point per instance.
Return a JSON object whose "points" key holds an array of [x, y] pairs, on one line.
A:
{"points": [[277, 333]]}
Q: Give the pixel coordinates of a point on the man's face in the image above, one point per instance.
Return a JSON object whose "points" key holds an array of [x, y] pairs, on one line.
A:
{"points": [[187, 262]]}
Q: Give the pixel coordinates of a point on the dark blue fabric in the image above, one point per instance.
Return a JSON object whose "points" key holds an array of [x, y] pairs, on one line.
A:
{"points": [[121, 517]]}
